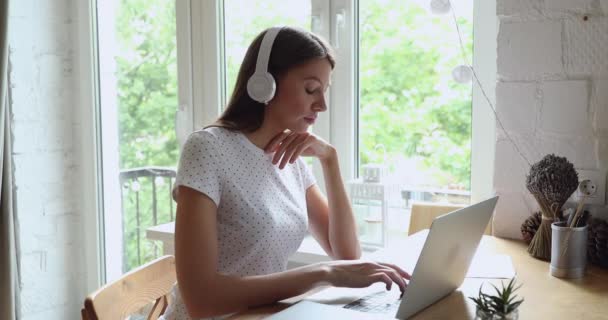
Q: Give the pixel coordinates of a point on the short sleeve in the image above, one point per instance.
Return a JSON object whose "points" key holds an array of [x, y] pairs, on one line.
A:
{"points": [[308, 177], [198, 166]]}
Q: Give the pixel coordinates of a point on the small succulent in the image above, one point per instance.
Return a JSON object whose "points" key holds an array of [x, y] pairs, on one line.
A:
{"points": [[501, 304]]}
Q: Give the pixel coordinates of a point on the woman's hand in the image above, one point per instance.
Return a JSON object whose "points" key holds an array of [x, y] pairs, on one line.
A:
{"points": [[359, 274], [288, 146]]}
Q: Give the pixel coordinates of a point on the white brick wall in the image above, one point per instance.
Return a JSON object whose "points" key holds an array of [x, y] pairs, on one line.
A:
{"points": [[518, 106], [529, 50], [568, 5], [512, 173], [586, 46], [599, 104], [49, 223], [552, 95], [514, 7], [565, 107]]}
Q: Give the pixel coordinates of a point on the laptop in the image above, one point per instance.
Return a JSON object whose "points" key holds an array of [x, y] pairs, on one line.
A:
{"points": [[440, 269]]}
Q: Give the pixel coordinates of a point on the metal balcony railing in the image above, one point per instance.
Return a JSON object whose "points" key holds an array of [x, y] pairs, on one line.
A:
{"points": [[146, 201]]}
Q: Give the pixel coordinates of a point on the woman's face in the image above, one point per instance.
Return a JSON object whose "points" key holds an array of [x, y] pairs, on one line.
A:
{"points": [[300, 96]]}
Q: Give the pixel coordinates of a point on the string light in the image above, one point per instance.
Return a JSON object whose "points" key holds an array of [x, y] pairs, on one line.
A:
{"points": [[159, 181], [440, 6], [135, 186], [462, 74]]}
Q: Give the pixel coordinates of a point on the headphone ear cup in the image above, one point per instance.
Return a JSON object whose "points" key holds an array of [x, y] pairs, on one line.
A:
{"points": [[261, 87]]}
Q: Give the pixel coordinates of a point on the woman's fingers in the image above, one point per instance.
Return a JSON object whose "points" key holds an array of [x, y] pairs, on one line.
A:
{"points": [[402, 272], [288, 147], [396, 278], [381, 277], [291, 149], [276, 141], [307, 143], [365, 273], [392, 271], [284, 144]]}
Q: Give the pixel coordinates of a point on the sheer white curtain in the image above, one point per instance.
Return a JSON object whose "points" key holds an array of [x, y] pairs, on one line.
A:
{"points": [[8, 263]]}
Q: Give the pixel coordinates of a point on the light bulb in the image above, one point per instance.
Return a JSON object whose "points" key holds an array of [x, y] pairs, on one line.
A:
{"points": [[440, 6], [462, 74], [135, 186]]}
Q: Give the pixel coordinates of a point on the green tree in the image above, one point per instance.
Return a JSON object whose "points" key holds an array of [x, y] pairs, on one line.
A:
{"points": [[147, 83], [147, 101], [404, 81]]}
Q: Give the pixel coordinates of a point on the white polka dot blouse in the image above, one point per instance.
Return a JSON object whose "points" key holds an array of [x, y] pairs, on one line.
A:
{"points": [[261, 209]]}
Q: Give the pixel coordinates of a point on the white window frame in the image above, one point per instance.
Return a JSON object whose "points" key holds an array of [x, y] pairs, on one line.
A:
{"points": [[483, 131], [198, 27], [101, 197], [199, 35], [343, 37], [343, 117], [89, 140]]}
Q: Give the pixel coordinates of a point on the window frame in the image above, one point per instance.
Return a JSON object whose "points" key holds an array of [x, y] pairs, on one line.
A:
{"points": [[108, 135], [200, 26], [483, 122], [97, 183], [87, 71]]}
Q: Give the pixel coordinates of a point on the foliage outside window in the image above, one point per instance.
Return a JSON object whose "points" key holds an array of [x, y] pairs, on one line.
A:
{"points": [[409, 102], [147, 101]]}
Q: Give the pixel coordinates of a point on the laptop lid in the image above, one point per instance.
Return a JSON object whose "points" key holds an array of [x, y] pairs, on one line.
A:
{"points": [[446, 256]]}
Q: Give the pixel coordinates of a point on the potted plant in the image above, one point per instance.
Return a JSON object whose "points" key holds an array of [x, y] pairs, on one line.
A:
{"points": [[503, 305]]}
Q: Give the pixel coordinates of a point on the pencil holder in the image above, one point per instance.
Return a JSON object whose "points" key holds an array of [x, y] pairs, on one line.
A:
{"points": [[568, 251]]}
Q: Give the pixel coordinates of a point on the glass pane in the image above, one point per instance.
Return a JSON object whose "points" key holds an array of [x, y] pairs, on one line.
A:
{"points": [[138, 64], [244, 20], [414, 118]]}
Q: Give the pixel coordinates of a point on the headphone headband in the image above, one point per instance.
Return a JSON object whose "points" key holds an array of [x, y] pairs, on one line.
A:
{"points": [[265, 49]]}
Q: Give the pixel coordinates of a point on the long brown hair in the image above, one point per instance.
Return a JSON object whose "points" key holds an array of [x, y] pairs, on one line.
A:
{"points": [[291, 48]]}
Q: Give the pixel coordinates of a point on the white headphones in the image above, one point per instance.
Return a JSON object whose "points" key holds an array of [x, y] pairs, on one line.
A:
{"points": [[261, 85]]}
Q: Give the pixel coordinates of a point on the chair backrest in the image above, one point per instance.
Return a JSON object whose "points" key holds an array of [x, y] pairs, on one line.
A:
{"points": [[423, 213], [150, 283]]}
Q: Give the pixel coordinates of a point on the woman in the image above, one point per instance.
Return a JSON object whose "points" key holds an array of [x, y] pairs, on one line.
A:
{"points": [[245, 198]]}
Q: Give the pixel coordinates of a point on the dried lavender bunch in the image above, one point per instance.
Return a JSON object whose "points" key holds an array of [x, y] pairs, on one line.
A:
{"points": [[551, 181]]}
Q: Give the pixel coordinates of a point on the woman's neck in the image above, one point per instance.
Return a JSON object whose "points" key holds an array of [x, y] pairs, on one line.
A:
{"points": [[262, 136]]}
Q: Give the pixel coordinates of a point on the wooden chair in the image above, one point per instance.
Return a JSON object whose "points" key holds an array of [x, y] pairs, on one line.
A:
{"points": [[150, 283], [423, 213]]}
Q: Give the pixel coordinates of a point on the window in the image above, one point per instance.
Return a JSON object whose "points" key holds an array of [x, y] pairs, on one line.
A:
{"points": [[138, 100], [166, 67], [414, 119]]}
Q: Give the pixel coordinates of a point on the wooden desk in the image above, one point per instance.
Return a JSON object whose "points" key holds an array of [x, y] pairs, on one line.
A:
{"points": [[546, 297]]}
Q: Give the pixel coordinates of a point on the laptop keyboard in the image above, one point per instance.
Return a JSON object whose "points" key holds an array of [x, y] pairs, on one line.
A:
{"points": [[379, 302]]}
